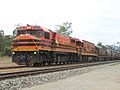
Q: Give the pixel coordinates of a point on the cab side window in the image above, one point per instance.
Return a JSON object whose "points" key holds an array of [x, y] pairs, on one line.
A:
{"points": [[40, 33], [78, 43], [47, 35]]}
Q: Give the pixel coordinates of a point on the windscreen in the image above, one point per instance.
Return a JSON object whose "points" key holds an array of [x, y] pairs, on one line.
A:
{"points": [[31, 32]]}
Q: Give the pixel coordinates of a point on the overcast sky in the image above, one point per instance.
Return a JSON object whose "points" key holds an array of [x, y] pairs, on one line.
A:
{"points": [[92, 20]]}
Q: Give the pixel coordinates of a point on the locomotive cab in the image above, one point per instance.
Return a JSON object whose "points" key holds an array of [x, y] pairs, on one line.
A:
{"points": [[37, 31]]}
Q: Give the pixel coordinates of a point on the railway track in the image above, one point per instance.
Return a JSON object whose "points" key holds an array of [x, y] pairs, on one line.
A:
{"points": [[50, 69]]}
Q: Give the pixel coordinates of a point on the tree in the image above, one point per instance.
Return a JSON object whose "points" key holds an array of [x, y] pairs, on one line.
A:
{"points": [[101, 45], [1, 32], [64, 29], [14, 32], [115, 46], [1, 41], [5, 45]]}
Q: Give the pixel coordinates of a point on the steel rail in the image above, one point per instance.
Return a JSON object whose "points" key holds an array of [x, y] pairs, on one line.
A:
{"points": [[50, 70]]}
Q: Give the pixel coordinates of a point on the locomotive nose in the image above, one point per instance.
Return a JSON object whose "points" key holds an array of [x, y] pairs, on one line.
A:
{"points": [[25, 49], [25, 37], [25, 43]]}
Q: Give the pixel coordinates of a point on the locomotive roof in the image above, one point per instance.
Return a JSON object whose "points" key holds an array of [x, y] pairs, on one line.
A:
{"points": [[87, 41], [33, 27]]}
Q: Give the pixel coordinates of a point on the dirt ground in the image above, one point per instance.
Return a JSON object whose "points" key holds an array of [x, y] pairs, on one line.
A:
{"points": [[6, 61], [106, 78]]}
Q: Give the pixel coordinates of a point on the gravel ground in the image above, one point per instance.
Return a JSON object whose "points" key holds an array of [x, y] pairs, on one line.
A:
{"points": [[6, 61], [106, 78], [43, 79]]}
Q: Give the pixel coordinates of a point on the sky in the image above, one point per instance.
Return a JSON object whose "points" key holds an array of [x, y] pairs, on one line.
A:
{"points": [[92, 20]]}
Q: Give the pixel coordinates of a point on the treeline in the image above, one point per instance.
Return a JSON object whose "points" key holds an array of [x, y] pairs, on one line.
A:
{"points": [[115, 46], [5, 44]]}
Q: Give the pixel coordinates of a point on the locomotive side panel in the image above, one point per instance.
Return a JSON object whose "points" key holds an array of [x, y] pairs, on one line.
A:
{"points": [[63, 44], [88, 48], [63, 40]]}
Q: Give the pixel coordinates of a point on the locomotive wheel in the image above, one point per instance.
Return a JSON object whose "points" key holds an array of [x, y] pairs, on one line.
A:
{"points": [[35, 64]]}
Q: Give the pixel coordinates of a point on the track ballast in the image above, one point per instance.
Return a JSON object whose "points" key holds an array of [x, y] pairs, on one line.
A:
{"points": [[50, 69]]}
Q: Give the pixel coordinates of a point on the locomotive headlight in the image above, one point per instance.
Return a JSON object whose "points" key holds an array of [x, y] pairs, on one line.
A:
{"points": [[35, 52], [13, 53]]}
